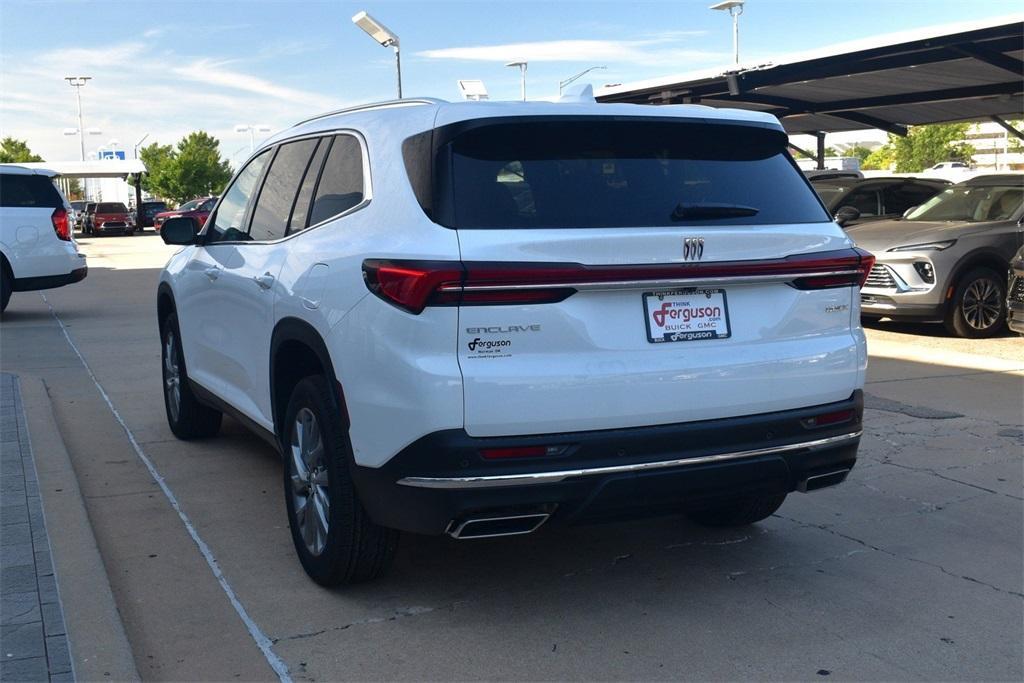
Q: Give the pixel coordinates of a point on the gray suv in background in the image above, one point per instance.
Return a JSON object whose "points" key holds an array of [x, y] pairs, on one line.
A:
{"points": [[946, 261]]}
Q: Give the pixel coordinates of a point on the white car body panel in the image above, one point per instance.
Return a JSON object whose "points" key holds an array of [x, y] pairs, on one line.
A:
{"points": [[28, 241], [589, 367]]}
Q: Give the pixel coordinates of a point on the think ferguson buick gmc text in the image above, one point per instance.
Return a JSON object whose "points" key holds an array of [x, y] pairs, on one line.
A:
{"points": [[479, 318]]}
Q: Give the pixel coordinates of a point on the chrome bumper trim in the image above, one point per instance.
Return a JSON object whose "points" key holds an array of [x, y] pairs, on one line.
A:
{"points": [[531, 478]]}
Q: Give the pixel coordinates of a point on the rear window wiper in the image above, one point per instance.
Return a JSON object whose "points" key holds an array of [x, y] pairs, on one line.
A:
{"points": [[699, 211]]}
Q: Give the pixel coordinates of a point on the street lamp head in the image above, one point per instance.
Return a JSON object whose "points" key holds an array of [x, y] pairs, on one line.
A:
{"points": [[522, 64], [70, 131], [94, 131], [263, 129], [241, 129], [728, 5], [375, 29]]}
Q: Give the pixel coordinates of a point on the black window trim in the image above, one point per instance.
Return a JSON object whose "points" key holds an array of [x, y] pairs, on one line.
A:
{"points": [[330, 133]]}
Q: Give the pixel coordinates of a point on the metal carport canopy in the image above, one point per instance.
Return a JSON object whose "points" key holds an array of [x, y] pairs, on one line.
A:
{"points": [[103, 168], [962, 72]]}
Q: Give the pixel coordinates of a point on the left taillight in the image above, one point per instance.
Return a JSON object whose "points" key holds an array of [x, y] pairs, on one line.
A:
{"points": [[61, 225]]}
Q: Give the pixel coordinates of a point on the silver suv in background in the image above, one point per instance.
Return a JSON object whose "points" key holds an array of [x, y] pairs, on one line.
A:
{"points": [[946, 260]]}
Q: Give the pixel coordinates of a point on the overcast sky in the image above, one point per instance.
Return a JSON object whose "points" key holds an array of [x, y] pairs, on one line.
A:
{"points": [[169, 67]]}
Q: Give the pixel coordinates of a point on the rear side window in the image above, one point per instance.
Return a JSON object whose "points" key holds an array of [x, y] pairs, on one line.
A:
{"points": [[28, 191], [111, 207], [274, 206], [899, 198], [341, 181], [300, 214], [600, 173]]}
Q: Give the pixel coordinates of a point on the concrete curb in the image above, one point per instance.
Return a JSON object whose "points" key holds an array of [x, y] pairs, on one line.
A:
{"points": [[99, 646]]}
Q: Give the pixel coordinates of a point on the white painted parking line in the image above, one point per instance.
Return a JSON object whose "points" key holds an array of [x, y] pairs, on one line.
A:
{"points": [[261, 639]]}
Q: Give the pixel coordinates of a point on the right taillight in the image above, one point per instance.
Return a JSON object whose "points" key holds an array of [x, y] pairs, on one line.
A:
{"points": [[61, 225]]}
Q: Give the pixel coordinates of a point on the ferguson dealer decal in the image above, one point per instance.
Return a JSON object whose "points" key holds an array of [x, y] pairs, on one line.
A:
{"points": [[480, 347]]}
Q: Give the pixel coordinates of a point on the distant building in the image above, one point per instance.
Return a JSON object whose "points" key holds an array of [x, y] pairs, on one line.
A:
{"points": [[995, 148]]}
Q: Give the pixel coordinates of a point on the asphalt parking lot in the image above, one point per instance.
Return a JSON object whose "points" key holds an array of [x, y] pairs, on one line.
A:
{"points": [[912, 570]]}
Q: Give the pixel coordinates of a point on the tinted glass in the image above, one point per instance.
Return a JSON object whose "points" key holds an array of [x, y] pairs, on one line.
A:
{"points": [[341, 181], [274, 206], [864, 200], [28, 191], [612, 174], [305, 197], [111, 207], [899, 198], [189, 206], [228, 223], [971, 203], [829, 194]]}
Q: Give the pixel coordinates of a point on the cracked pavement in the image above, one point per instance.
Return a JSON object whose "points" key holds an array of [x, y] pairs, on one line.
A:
{"points": [[911, 570]]}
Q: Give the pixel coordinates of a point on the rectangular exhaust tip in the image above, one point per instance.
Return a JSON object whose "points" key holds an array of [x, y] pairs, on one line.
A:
{"points": [[493, 527], [820, 481]]}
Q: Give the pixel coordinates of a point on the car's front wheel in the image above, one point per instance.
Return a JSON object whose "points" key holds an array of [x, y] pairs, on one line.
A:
{"points": [[978, 306], [186, 416], [739, 512], [335, 539]]}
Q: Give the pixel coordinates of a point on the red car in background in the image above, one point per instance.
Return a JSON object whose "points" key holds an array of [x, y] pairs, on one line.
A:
{"points": [[110, 217], [197, 208]]}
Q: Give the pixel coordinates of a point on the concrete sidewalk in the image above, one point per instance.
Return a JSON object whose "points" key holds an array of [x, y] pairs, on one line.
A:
{"points": [[35, 644]]}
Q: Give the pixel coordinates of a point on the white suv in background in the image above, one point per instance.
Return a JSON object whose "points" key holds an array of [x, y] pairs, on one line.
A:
{"points": [[37, 249], [473, 318]]}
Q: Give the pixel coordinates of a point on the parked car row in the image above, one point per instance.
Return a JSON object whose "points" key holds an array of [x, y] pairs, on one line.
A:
{"points": [[945, 260]]}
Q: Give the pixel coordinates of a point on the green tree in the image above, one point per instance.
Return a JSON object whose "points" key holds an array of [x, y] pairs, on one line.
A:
{"points": [[881, 159], [75, 189], [14, 151], [925, 146], [190, 169], [859, 151]]}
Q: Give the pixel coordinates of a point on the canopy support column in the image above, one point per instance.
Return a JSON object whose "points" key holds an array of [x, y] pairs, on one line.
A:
{"points": [[820, 158]]}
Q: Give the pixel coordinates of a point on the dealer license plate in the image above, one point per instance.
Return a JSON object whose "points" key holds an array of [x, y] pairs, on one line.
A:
{"points": [[686, 315]]}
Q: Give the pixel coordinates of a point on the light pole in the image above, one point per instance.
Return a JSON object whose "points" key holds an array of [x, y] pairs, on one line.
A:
{"points": [[385, 37], [141, 140], [77, 82], [251, 129], [522, 77], [735, 9], [562, 84]]}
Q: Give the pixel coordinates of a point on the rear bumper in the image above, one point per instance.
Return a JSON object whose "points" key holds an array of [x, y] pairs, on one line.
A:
{"points": [[31, 284], [441, 479]]}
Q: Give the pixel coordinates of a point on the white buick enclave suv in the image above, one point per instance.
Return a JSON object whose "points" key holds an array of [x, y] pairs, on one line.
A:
{"points": [[472, 318]]}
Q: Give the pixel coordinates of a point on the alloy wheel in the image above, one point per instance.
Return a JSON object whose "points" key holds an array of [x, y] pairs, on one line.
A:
{"points": [[309, 481], [172, 376], [981, 304]]}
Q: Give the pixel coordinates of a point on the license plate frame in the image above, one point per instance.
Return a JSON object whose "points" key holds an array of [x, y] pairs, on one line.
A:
{"points": [[688, 332]]}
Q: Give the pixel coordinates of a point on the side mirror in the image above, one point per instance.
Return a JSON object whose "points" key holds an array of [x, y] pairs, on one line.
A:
{"points": [[180, 230], [909, 211], [846, 214]]}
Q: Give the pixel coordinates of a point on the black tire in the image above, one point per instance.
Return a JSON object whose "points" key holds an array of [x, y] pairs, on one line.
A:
{"points": [[869, 319], [738, 512], [351, 548], [978, 307], [188, 419], [6, 285]]}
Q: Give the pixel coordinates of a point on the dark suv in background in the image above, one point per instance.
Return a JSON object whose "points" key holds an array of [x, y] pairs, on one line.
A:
{"points": [[146, 212], [853, 201]]}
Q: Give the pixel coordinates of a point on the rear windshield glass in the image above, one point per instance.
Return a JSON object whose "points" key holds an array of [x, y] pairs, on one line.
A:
{"points": [[111, 207], [618, 174], [28, 191]]}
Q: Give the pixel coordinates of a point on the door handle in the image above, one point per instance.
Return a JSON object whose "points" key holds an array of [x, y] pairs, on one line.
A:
{"points": [[212, 273], [265, 281]]}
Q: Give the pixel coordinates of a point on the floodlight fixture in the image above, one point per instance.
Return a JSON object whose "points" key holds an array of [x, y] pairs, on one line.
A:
{"points": [[735, 9], [385, 37], [77, 82], [473, 90]]}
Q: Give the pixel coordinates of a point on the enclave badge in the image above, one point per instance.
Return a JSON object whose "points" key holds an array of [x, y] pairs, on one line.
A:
{"points": [[693, 248]]}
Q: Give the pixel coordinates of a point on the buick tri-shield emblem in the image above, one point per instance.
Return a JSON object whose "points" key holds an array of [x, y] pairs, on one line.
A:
{"points": [[693, 248]]}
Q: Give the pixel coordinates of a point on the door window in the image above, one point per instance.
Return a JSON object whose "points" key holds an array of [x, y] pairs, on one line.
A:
{"points": [[341, 182], [228, 224], [274, 206]]}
